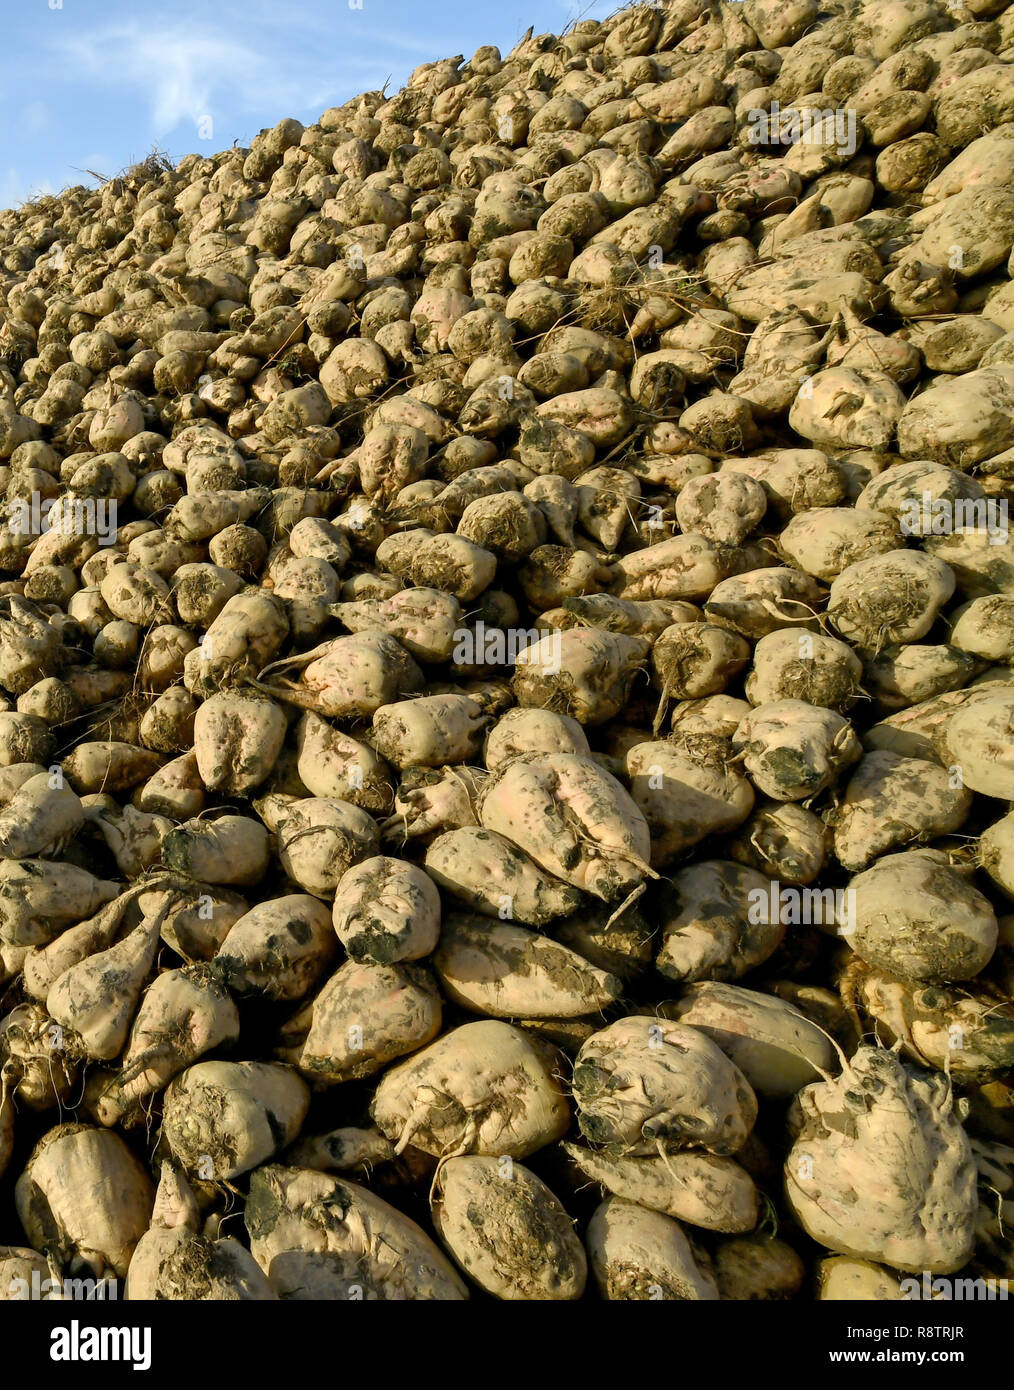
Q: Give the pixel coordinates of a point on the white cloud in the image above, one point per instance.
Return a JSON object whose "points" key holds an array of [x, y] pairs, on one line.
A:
{"points": [[426, 51], [102, 163], [35, 118], [12, 189], [588, 9], [15, 189], [180, 72]]}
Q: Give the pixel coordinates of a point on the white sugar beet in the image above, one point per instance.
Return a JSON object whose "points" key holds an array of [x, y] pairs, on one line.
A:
{"points": [[881, 1167], [507, 1231], [223, 1118], [386, 910], [689, 1094], [319, 1237], [86, 1198], [638, 1254], [555, 807], [483, 1088]]}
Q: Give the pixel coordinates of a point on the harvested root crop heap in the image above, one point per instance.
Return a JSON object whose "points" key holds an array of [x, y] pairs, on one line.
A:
{"points": [[506, 641]]}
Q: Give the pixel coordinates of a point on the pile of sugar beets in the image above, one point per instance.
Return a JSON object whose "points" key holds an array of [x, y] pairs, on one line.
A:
{"points": [[508, 720]]}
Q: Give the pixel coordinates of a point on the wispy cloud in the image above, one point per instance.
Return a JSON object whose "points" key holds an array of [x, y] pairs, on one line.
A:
{"points": [[35, 118], [181, 72], [119, 76], [96, 164], [426, 50], [16, 189], [588, 9]]}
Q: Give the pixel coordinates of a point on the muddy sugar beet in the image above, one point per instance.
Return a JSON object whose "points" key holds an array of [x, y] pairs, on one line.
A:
{"points": [[507, 680]]}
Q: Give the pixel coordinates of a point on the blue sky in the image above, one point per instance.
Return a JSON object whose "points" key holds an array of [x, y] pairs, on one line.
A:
{"points": [[94, 84]]}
